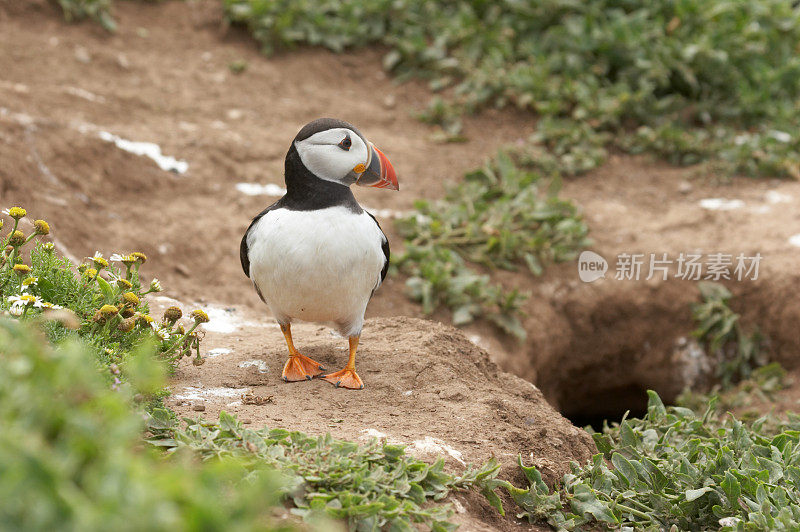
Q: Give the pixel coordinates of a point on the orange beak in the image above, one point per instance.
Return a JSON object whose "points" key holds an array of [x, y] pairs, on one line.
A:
{"points": [[379, 173]]}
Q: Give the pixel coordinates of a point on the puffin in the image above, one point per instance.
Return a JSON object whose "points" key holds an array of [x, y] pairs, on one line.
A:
{"points": [[316, 255]]}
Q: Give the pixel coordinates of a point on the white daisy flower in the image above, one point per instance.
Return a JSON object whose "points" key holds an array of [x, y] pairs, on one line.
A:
{"points": [[162, 333], [25, 300], [116, 257], [155, 285], [15, 311]]}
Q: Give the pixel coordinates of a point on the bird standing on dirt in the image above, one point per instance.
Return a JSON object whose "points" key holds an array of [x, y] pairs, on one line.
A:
{"points": [[315, 254]]}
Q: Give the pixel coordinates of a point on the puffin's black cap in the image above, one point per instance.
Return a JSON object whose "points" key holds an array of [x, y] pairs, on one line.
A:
{"points": [[324, 124]]}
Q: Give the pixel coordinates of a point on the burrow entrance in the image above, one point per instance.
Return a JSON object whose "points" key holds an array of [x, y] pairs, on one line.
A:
{"points": [[595, 351]]}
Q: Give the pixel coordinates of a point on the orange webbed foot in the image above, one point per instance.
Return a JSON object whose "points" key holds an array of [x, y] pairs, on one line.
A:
{"points": [[300, 368], [346, 378]]}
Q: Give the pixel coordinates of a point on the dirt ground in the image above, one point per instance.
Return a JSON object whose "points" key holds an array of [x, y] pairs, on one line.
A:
{"points": [[165, 78]]}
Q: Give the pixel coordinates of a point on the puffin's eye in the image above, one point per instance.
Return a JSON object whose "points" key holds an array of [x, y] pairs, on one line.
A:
{"points": [[346, 143]]}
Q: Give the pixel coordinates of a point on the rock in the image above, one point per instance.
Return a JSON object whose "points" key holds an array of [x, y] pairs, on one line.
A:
{"points": [[82, 55]]}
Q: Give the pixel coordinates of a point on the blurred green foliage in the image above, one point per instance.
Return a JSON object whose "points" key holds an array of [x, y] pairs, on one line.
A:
{"points": [[98, 10], [735, 353], [71, 454]]}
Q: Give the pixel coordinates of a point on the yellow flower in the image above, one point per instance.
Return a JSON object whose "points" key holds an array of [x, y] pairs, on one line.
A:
{"points": [[144, 320], [124, 283], [16, 212], [130, 298], [30, 281], [1, 224], [99, 261], [90, 273], [17, 238], [127, 312], [42, 227], [48, 247], [172, 314], [22, 269], [199, 316], [108, 310], [140, 257], [126, 325]]}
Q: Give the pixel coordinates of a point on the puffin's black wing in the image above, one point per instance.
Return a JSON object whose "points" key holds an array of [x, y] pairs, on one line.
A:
{"points": [[384, 247], [243, 251]]}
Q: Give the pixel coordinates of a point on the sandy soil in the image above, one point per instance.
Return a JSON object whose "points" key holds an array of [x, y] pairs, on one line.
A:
{"points": [[164, 78]]}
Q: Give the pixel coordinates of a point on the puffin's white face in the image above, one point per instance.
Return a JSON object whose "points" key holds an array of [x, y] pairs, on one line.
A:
{"points": [[339, 155]]}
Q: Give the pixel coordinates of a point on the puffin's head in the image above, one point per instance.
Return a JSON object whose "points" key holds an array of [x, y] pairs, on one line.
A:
{"points": [[336, 151]]}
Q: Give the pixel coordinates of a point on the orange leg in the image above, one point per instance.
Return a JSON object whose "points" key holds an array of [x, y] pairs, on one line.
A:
{"points": [[347, 378], [299, 367]]}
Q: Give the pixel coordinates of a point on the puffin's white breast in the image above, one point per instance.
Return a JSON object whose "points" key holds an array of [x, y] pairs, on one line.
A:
{"points": [[320, 265]]}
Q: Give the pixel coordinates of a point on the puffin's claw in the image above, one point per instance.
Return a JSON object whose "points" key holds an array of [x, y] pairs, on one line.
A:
{"points": [[346, 378], [300, 367]]}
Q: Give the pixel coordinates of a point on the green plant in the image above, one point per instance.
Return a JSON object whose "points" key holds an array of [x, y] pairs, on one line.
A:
{"points": [[71, 454], [98, 10], [99, 302], [746, 398], [371, 487], [677, 470], [501, 216], [719, 331]]}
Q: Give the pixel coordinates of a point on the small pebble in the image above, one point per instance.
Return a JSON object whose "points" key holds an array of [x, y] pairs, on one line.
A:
{"points": [[199, 407], [246, 421], [684, 187], [82, 55]]}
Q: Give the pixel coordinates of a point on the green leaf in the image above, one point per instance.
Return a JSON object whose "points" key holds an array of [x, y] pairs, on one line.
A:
{"points": [[625, 469], [695, 494], [105, 288]]}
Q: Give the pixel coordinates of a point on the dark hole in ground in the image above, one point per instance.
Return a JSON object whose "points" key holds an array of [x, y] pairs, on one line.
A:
{"points": [[608, 404]]}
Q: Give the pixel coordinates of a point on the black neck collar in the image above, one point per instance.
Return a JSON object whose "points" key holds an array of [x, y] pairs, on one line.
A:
{"points": [[306, 192]]}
